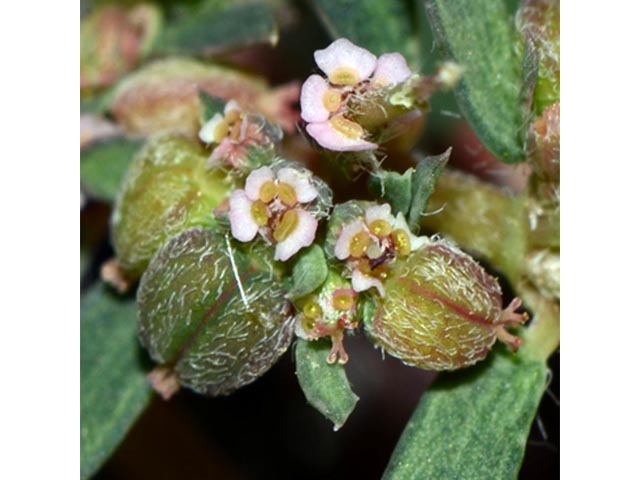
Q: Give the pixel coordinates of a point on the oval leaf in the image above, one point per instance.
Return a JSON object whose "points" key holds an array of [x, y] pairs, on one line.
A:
{"points": [[113, 387], [480, 36], [473, 424], [103, 165], [212, 29], [424, 182], [325, 386], [309, 272]]}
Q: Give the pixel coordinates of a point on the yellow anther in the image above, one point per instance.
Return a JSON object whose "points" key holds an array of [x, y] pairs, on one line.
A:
{"points": [[401, 241], [344, 76], [220, 131], [308, 323], [380, 228], [235, 131], [332, 100], [312, 310], [232, 116], [287, 194], [287, 225], [267, 191], [358, 244], [342, 301], [346, 127], [259, 213]]}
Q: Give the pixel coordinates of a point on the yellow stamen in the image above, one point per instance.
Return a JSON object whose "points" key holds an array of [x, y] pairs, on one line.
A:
{"points": [[232, 116], [342, 301], [259, 213], [267, 191], [220, 131], [346, 127], [380, 228], [344, 76], [287, 225], [235, 131], [401, 241], [312, 310], [332, 100], [287, 194], [358, 244]]}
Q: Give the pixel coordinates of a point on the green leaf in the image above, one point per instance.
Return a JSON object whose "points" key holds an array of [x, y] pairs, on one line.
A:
{"points": [[309, 272], [113, 387], [424, 182], [103, 165], [213, 29], [381, 27], [472, 424], [209, 106], [325, 386], [480, 35], [394, 188]]}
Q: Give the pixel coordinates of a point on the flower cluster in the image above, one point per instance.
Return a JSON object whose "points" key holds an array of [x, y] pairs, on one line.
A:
{"points": [[328, 314], [274, 205], [351, 72], [368, 244], [233, 132]]}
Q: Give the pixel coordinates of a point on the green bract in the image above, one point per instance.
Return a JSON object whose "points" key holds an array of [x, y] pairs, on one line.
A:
{"points": [[166, 190], [213, 313]]}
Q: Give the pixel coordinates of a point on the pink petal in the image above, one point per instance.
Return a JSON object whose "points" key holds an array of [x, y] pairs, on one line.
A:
{"points": [[361, 282], [300, 182], [255, 180], [392, 68], [331, 139], [379, 212], [343, 53], [341, 250], [311, 99], [243, 227], [301, 237]]}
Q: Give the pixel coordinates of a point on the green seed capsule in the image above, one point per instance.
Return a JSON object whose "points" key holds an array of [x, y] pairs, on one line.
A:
{"points": [[441, 311], [212, 314], [167, 190]]}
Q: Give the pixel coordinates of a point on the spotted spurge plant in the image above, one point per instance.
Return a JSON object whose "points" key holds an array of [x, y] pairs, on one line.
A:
{"points": [[235, 249]]}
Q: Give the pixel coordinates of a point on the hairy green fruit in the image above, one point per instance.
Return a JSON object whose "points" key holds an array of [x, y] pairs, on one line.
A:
{"points": [[166, 191], [213, 315], [441, 311]]}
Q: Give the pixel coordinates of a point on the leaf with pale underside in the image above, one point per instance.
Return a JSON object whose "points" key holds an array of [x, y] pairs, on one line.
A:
{"points": [[113, 387], [480, 35], [325, 386], [472, 424]]}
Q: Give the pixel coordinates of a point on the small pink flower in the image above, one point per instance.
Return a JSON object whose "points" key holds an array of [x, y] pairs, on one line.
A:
{"points": [[366, 244], [272, 204], [349, 71]]}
